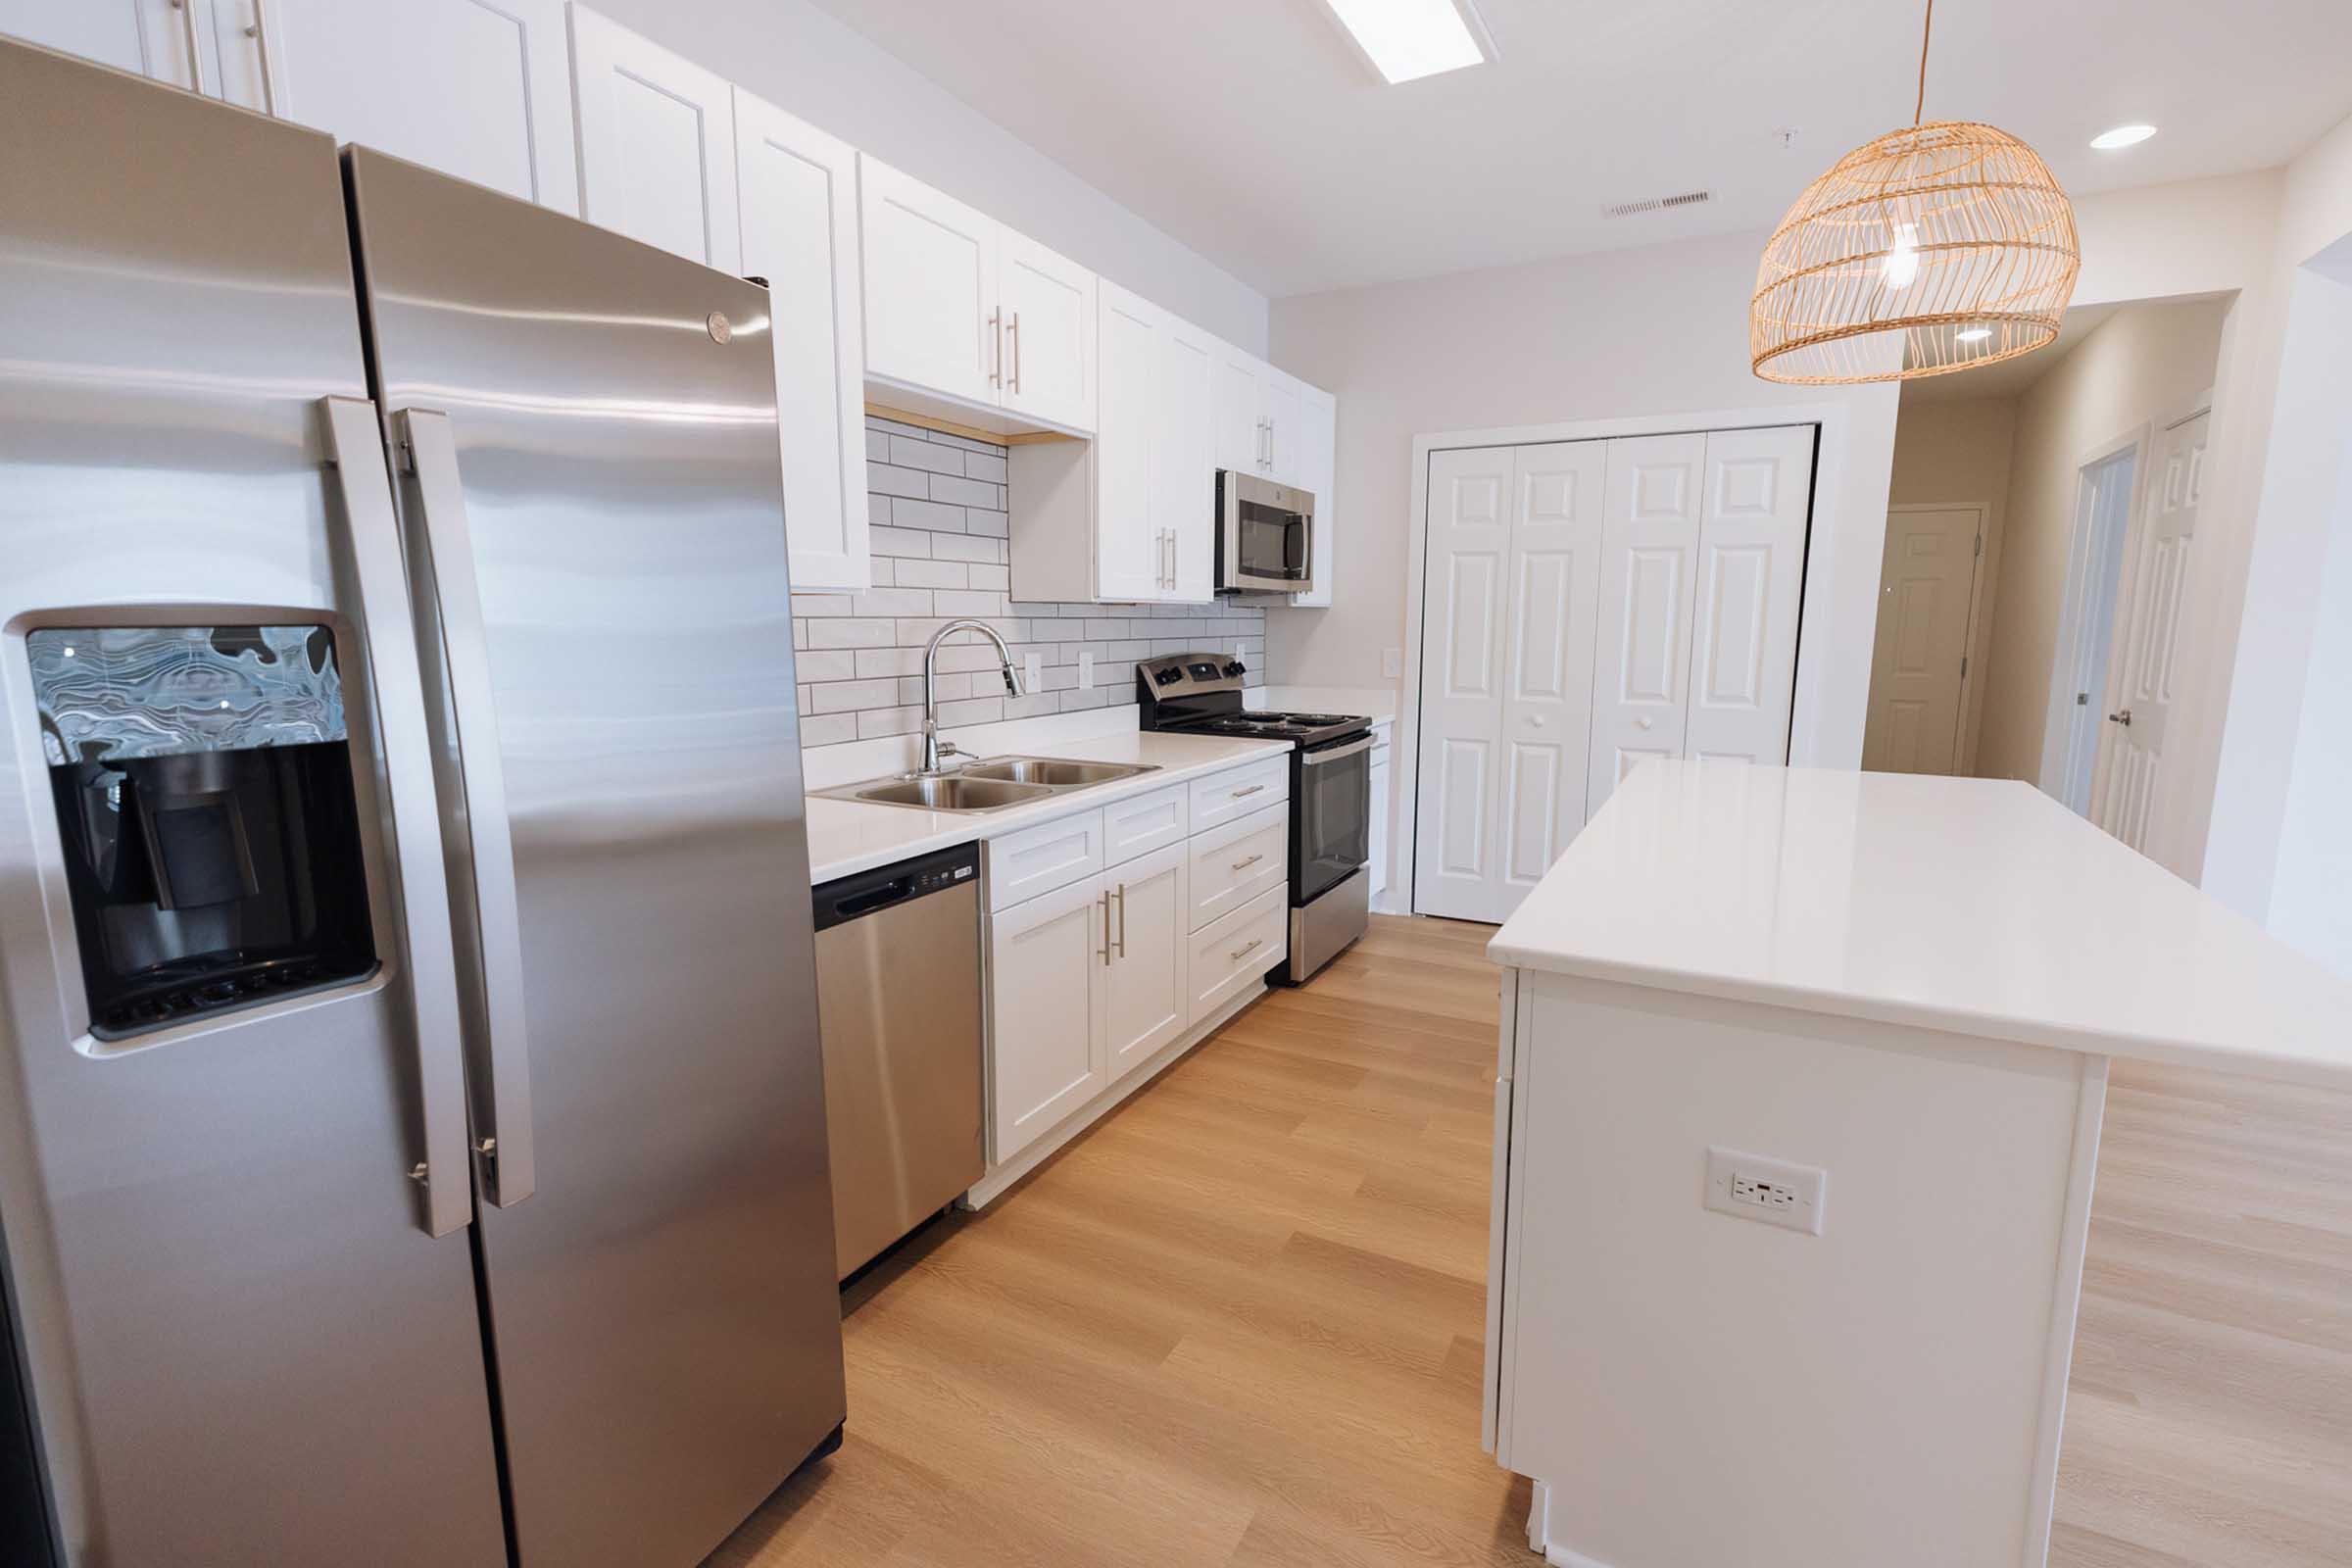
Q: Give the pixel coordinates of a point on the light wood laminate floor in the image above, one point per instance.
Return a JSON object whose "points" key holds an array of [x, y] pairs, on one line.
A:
{"points": [[1239, 1323]]}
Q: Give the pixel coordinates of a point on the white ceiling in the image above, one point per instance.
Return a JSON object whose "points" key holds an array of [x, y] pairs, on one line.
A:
{"points": [[1251, 132], [2010, 377]]}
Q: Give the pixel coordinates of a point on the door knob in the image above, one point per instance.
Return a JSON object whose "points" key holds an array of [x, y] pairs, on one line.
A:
{"points": [[1643, 723], [1534, 721], [2124, 718]]}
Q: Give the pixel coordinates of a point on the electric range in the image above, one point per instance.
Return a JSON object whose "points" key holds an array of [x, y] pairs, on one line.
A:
{"points": [[1331, 794]]}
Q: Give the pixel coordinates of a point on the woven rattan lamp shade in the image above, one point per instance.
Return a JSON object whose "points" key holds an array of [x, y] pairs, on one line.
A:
{"points": [[1991, 261]]}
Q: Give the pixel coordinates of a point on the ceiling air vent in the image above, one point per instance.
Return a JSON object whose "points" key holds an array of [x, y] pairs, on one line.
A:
{"points": [[1656, 204]]}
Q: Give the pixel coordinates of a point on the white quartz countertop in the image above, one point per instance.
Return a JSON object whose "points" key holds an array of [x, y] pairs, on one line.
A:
{"points": [[848, 836], [1977, 906]]}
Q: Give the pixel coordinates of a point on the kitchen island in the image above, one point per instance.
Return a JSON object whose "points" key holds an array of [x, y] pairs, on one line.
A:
{"points": [[1797, 1116]]}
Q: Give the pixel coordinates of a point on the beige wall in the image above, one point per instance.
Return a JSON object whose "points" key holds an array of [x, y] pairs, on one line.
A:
{"points": [[2142, 364], [1949, 452]]}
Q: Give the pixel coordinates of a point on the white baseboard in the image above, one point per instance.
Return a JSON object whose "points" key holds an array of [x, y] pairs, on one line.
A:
{"points": [[993, 1185]]}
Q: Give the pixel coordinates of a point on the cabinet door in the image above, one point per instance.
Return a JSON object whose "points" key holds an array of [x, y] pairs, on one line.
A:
{"points": [[1049, 305], [146, 37], [657, 144], [1380, 827], [1318, 474], [1131, 557], [799, 192], [1183, 461], [931, 317], [476, 88], [1145, 1006], [1045, 1040], [1240, 411], [1649, 558], [1751, 573], [1280, 399]]}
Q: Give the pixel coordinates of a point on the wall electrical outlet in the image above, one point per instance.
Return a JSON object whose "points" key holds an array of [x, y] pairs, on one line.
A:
{"points": [[1085, 671], [1033, 672], [1773, 1191], [1391, 663]]}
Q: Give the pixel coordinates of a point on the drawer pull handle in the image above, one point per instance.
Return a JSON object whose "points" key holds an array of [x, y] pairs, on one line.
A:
{"points": [[1255, 789], [1243, 865], [1255, 942]]}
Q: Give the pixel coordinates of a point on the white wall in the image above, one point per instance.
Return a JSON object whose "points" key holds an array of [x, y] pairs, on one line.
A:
{"points": [[2139, 368], [810, 63]]}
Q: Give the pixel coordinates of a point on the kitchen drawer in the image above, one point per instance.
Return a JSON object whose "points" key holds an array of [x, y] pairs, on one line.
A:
{"points": [[1220, 797], [1145, 823], [1230, 955], [1038, 859], [1236, 863]]}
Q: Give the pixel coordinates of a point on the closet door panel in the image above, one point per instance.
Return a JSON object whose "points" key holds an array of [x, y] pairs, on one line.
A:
{"points": [[1751, 548], [1559, 493], [1466, 602], [1649, 555]]}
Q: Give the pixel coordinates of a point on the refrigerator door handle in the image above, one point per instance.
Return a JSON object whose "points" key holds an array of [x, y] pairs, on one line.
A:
{"points": [[474, 783], [355, 451]]}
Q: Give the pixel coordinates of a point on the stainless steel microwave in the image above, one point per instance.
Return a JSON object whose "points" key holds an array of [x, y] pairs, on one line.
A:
{"points": [[1265, 536]]}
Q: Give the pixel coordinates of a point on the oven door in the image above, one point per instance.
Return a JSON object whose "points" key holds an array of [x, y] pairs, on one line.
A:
{"points": [[1264, 535], [1331, 815]]}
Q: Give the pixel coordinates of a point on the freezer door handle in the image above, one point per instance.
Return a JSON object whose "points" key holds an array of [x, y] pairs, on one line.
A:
{"points": [[355, 451], [473, 791]]}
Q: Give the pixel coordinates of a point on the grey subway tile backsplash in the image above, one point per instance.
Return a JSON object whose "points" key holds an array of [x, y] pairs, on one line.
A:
{"points": [[939, 540]]}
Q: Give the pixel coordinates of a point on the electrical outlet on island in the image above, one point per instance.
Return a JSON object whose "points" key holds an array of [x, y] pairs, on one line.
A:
{"points": [[1772, 1191]]}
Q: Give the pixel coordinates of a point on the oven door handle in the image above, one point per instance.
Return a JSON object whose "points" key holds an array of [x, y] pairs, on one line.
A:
{"points": [[1318, 758]]}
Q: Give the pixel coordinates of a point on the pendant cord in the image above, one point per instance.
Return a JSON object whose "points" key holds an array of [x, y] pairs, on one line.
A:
{"points": [[1925, 29]]}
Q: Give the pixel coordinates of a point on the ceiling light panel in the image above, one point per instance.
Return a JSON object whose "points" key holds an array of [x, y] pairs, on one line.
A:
{"points": [[1408, 39], [2108, 141]]}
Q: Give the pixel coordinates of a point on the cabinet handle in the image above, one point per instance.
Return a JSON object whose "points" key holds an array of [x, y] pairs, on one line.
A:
{"points": [[1247, 947], [188, 28], [1269, 441], [1013, 332], [1243, 865], [1104, 951], [1255, 789], [261, 49], [996, 334], [1122, 919]]}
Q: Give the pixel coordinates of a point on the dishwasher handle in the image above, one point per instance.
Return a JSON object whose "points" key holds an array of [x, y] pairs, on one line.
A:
{"points": [[886, 886]]}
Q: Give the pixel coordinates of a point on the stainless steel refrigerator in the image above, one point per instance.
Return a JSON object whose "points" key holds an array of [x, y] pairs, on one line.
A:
{"points": [[412, 1141]]}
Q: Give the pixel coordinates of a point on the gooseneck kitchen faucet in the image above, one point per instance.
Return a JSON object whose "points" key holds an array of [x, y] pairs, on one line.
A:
{"points": [[933, 749]]}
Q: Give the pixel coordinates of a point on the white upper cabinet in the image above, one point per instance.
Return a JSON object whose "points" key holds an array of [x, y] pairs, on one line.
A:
{"points": [[1183, 461], [1317, 441], [657, 144], [1130, 544], [799, 210], [931, 315], [962, 309], [1279, 400], [476, 88], [147, 38], [1048, 303], [1240, 410]]}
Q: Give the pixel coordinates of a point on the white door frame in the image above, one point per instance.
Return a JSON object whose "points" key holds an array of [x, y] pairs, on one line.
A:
{"points": [[1832, 452], [2058, 733], [1980, 621]]}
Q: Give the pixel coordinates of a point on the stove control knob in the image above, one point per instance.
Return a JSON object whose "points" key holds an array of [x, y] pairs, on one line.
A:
{"points": [[1233, 669], [1168, 677]]}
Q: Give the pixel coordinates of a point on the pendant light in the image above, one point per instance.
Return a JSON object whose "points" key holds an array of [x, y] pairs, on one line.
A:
{"points": [[1950, 241]]}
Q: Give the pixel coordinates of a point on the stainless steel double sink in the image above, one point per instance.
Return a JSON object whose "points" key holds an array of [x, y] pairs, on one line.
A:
{"points": [[989, 786]]}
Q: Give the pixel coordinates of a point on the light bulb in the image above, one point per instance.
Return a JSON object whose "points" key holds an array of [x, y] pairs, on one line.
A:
{"points": [[1902, 262], [1974, 334]]}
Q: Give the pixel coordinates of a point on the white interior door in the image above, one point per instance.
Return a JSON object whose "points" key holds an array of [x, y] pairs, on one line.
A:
{"points": [[1751, 568], [1147, 1000], [931, 317], [1559, 493], [1927, 585], [1458, 838], [657, 144], [1649, 555], [1049, 305], [1131, 553], [476, 88], [2132, 763], [1184, 460], [1045, 1011]]}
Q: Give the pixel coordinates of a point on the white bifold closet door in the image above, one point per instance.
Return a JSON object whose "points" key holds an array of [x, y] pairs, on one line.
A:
{"points": [[1589, 605], [1514, 562]]}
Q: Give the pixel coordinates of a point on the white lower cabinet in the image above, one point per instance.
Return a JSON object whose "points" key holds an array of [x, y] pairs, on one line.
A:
{"points": [[1231, 954], [1379, 832], [1236, 863], [1048, 1010], [1145, 976]]}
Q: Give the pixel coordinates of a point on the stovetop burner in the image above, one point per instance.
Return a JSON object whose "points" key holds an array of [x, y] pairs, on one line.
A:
{"points": [[1203, 694]]}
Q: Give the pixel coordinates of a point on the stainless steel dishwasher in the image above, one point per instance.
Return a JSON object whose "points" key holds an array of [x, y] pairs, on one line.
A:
{"points": [[898, 998]]}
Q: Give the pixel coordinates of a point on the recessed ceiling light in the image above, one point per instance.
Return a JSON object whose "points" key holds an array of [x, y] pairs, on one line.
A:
{"points": [[1408, 39], [2108, 141], [1974, 334]]}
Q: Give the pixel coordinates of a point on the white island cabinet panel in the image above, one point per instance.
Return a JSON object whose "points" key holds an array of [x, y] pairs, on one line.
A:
{"points": [[799, 208], [476, 88], [657, 144]]}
